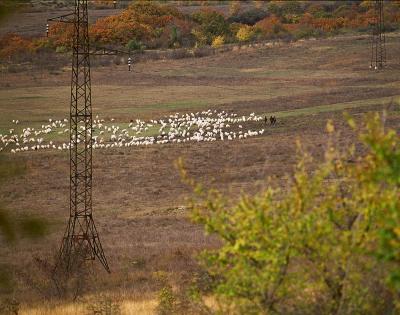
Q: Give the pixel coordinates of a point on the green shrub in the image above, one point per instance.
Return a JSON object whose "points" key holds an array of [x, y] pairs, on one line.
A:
{"points": [[307, 32], [211, 25], [61, 49], [166, 301], [134, 44], [325, 242], [175, 36], [103, 305], [292, 7]]}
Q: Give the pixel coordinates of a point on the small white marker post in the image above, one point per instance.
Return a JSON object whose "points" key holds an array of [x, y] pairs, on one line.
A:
{"points": [[129, 63]]}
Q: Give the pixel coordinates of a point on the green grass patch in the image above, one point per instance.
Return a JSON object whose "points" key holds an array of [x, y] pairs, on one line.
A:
{"points": [[335, 107], [170, 106]]}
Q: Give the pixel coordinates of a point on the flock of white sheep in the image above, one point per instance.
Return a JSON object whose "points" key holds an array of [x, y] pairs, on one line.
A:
{"points": [[178, 128]]}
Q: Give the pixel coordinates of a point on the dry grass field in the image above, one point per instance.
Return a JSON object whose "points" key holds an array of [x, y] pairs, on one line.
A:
{"points": [[139, 198], [34, 20]]}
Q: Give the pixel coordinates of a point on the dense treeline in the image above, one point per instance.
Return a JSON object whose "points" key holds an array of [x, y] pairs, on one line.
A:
{"points": [[150, 25]]}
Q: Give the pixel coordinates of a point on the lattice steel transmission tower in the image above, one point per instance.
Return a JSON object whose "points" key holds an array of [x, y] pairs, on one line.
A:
{"points": [[378, 49], [81, 239]]}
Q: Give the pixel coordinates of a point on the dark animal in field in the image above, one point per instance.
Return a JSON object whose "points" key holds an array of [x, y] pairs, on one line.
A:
{"points": [[272, 120]]}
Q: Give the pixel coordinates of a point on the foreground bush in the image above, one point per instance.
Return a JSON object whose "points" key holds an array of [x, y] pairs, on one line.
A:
{"points": [[326, 243]]}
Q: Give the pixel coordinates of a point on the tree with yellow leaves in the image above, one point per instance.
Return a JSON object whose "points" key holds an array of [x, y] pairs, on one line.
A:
{"points": [[245, 33], [218, 41]]}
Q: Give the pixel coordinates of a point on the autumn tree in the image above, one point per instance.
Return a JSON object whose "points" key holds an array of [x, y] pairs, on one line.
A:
{"points": [[61, 34], [245, 33], [270, 27], [142, 21], [210, 25], [218, 41], [13, 45]]}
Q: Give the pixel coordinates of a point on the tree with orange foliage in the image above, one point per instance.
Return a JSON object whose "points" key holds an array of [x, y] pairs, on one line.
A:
{"points": [[328, 24], [141, 21], [61, 34], [12, 45], [271, 27]]}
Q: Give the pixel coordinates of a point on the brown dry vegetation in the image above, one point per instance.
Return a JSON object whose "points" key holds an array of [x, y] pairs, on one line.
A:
{"points": [[139, 199]]}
